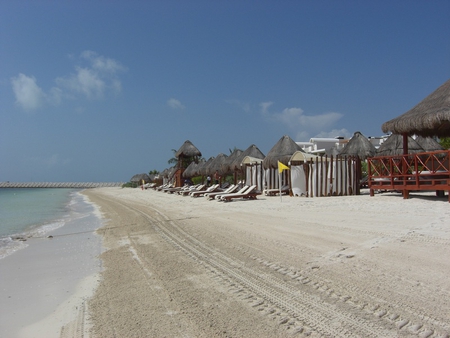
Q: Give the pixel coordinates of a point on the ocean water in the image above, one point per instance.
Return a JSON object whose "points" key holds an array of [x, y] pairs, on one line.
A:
{"points": [[26, 213]]}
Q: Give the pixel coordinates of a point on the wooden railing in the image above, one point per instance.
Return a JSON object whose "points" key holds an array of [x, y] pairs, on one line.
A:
{"points": [[421, 171]]}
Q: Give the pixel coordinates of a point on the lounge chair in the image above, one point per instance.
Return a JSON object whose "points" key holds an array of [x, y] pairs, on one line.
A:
{"points": [[241, 191], [183, 188], [201, 187], [274, 192], [164, 186], [202, 192], [249, 193], [231, 189]]}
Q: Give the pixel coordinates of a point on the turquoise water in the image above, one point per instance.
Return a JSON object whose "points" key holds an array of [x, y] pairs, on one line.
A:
{"points": [[31, 212]]}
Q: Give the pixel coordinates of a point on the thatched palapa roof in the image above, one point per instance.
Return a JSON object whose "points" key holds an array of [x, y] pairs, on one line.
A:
{"points": [[251, 151], [192, 169], [360, 146], [216, 164], [139, 177], [281, 151], [203, 168], [227, 164], [429, 143], [394, 146], [431, 117], [187, 150]]}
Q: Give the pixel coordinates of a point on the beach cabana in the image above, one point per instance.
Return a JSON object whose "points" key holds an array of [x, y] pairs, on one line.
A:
{"points": [[318, 176], [242, 170], [282, 152], [422, 171], [358, 148], [254, 175]]}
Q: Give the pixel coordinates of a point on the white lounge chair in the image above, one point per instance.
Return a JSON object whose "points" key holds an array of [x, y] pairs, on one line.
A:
{"points": [[242, 190], [200, 193], [274, 192], [249, 193], [212, 195], [201, 187]]}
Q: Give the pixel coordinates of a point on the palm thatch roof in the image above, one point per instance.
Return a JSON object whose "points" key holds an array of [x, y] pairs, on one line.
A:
{"points": [[429, 143], [203, 168], [360, 146], [394, 146], [252, 151], [192, 169], [139, 177], [431, 117], [226, 166], [281, 151], [216, 164], [188, 150]]}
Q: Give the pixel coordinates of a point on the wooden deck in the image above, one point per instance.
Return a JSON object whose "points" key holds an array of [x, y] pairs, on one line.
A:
{"points": [[413, 172]]}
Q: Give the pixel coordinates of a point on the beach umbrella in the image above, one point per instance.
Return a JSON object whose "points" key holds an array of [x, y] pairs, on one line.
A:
{"points": [[138, 178], [394, 146], [431, 117], [360, 146], [281, 152]]}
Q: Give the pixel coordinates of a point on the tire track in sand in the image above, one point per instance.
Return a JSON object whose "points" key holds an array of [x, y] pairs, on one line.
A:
{"points": [[302, 310]]}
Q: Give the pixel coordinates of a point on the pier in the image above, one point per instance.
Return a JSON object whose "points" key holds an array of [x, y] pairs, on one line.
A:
{"points": [[71, 185]]}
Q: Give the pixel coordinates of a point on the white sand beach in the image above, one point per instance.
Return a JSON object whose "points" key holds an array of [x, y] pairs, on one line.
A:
{"points": [[356, 266]]}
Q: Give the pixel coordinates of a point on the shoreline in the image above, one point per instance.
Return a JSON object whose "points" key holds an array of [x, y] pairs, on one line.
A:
{"points": [[177, 266], [44, 284]]}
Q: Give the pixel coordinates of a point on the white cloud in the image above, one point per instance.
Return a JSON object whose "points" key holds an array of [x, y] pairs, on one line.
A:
{"points": [[175, 104], [86, 81], [265, 108], [245, 106], [28, 94], [93, 81], [306, 125], [334, 133], [102, 64]]}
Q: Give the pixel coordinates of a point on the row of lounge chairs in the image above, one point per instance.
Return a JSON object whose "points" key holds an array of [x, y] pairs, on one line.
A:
{"points": [[224, 194]]}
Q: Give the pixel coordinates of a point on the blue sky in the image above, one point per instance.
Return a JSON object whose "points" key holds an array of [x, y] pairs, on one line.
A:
{"points": [[102, 90]]}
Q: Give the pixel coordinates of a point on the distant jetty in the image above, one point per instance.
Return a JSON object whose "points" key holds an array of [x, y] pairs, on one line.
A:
{"points": [[71, 185]]}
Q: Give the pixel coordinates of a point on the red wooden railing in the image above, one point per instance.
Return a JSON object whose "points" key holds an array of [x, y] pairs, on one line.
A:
{"points": [[421, 171]]}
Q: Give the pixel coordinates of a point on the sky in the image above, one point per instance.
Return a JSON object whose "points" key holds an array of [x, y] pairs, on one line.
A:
{"points": [[97, 91]]}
